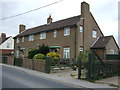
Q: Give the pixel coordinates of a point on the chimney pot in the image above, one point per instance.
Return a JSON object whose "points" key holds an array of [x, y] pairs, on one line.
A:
{"points": [[49, 20]]}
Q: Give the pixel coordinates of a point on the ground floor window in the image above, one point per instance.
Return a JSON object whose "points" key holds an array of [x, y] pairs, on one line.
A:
{"points": [[17, 53], [66, 53], [112, 51]]}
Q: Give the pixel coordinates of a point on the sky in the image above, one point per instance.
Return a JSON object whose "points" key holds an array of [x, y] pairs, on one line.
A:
{"points": [[105, 13]]}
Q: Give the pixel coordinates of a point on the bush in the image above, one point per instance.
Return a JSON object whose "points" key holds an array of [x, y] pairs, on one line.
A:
{"points": [[53, 55], [32, 53], [39, 56]]}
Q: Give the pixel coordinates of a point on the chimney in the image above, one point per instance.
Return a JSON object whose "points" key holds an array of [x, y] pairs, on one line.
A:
{"points": [[3, 35], [49, 20], [85, 9], [21, 28]]}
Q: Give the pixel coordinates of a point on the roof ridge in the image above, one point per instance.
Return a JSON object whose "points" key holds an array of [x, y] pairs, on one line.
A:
{"points": [[52, 22]]}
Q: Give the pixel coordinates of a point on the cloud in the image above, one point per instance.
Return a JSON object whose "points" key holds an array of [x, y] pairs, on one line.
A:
{"points": [[104, 11]]}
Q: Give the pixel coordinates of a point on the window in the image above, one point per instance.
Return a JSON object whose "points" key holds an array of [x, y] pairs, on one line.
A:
{"points": [[8, 45], [55, 33], [43, 35], [67, 31], [81, 28], [66, 53], [94, 34], [22, 39], [31, 37], [81, 49], [112, 51], [17, 53], [17, 40]]}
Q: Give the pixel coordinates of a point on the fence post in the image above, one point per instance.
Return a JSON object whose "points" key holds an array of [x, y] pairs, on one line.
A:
{"points": [[90, 66], [32, 64], [47, 65], [79, 68]]}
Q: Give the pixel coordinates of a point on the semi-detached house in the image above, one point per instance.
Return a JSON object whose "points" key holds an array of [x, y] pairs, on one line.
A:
{"points": [[68, 36]]}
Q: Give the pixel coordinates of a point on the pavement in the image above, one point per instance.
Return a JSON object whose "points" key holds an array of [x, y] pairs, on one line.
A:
{"points": [[66, 77]]}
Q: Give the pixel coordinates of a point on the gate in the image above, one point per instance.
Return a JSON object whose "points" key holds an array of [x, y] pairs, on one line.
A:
{"points": [[97, 68], [53, 64]]}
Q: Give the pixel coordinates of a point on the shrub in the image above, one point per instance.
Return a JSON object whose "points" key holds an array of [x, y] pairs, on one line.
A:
{"points": [[53, 55], [32, 52], [39, 56]]}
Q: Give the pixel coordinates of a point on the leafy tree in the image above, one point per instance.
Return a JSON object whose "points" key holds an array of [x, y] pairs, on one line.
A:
{"points": [[44, 49]]}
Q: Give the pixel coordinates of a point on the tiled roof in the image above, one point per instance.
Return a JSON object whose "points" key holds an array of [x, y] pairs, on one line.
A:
{"points": [[54, 25], [102, 42]]}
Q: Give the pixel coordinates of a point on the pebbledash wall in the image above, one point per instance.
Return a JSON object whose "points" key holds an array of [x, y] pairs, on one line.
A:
{"points": [[83, 33]]}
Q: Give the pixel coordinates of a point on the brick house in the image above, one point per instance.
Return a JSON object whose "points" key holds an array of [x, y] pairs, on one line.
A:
{"points": [[68, 36]]}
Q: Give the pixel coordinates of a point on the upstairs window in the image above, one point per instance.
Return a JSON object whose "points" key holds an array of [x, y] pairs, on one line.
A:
{"points": [[81, 28], [17, 40], [22, 39], [55, 33], [8, 45], [43, 35], [66, 31], [94, 34], [31, 37]]}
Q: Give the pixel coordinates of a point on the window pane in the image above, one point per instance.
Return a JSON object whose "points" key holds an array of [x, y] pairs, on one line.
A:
{"points": [[67, 31], [94, 34], [81, 28], [66, 53]]}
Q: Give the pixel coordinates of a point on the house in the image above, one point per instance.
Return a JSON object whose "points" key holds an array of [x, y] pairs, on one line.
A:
{"points": [[69, 36], [105, 45], [6, 45]]}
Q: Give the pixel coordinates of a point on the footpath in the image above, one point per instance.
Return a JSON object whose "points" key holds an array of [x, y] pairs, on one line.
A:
{"points": [[64, 78]]}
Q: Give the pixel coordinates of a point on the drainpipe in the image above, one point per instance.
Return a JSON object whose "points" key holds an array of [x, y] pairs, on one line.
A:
{"points": [[75, 43]]}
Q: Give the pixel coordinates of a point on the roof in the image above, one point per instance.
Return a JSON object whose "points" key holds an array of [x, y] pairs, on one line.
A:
{"points": [[102, 42], [54, 25]]}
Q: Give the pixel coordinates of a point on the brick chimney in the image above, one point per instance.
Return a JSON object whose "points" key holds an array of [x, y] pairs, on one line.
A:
{"points": [[49, 20], [21, 28], [3, 35], [85, 9]]}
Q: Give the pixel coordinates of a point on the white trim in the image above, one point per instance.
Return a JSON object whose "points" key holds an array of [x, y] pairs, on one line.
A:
{"points": [[95, 42]]}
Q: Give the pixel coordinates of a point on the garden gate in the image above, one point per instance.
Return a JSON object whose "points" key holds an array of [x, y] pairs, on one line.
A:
{"points": [[59, 64]]}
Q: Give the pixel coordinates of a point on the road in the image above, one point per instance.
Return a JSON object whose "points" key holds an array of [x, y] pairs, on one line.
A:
{"points": [[12, 78]]}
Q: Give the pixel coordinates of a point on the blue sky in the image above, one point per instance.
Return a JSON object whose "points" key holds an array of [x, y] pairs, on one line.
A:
{"points": [[104, 11]]}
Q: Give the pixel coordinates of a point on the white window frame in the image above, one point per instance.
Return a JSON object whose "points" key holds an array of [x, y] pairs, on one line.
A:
{"points": [[67, 31], [43, 35], [66, 53], [81, 49], [23, 39], [81, 28], [17, 40], [8, 45], [55, 33], [31, 37], [112, 51], [94, 34]]}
